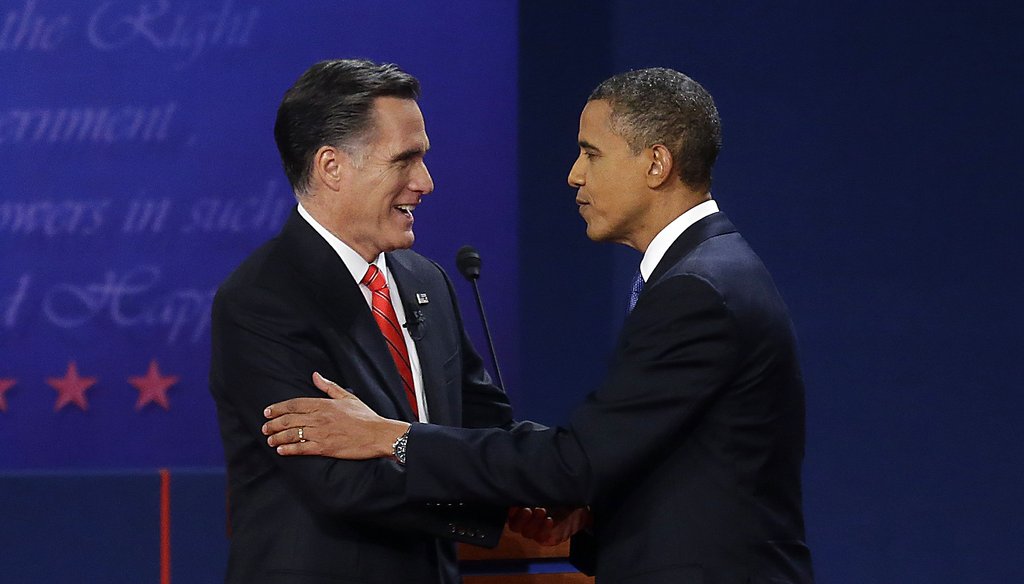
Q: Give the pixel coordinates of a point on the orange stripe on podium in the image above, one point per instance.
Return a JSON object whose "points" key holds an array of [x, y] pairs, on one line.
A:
{"points": [[165, 526]]}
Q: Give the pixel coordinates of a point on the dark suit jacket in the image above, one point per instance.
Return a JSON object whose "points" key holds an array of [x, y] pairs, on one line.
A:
{"points": [[293, 308], [689, 453]]}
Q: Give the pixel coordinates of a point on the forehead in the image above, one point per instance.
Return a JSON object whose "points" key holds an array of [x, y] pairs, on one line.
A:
{"points": [[397, 119], [596, 121]]}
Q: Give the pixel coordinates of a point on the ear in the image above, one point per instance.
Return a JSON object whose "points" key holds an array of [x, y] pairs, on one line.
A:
{"points": [[330, 166], [659, 167]]}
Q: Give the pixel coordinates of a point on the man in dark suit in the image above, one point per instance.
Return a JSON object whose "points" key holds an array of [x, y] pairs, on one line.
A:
{"points": [[689, 454], [336, 291]]}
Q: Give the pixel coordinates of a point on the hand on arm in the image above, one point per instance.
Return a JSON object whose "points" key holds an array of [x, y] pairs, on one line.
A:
{"points": [[340, 426]]}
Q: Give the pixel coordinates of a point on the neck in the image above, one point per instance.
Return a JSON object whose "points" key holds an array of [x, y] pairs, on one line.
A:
{"points": [[670, 205], [323, 216]]}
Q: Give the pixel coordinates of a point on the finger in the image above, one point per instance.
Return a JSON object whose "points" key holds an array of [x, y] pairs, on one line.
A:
{"points": [[296, 405], [525, 517], [289, 436], [539, 524], [567, 527], [520, 518], [539, 530], [517, 518], [285, 421], [299, 449], [329, 387]]}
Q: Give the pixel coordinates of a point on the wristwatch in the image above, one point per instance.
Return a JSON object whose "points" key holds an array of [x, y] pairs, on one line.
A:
{"points": [[398, 448]]}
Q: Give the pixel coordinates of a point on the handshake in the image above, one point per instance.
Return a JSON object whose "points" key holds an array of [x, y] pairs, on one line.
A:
{"points": [[548, 527]]}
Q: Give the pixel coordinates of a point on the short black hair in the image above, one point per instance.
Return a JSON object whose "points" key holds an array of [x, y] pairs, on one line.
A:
{"points": [[331, 104], [663, 106]]}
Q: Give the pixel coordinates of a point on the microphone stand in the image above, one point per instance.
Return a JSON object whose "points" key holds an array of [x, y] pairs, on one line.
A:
{"points": [[487, 331], [468, 261]]}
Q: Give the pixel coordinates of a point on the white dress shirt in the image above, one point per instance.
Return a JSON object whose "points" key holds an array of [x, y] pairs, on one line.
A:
{"points": [[667, 236], [357, 267]]}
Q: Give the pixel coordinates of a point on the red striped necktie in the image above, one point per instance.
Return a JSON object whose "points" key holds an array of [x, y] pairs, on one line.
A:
{"points": [[387, 320]]}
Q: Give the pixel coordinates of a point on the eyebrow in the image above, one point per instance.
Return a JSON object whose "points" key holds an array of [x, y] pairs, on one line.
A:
{"points": [[410, 153], [588, 146]]}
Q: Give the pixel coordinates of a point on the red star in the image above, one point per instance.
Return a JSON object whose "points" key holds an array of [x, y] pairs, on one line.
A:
{"points": [[5, 384], [153, 387], [71, 388]]}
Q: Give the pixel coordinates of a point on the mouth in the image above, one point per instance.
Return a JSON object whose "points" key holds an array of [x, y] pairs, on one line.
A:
{"points": [[405, 210]]}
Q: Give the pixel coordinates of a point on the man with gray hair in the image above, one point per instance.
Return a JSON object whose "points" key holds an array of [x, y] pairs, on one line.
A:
{"points": [[338, 291], [689, 454]]}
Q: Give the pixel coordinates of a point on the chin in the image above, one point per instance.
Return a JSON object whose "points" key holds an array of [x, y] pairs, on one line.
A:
{"points": [[403, 242], [596, 235]]}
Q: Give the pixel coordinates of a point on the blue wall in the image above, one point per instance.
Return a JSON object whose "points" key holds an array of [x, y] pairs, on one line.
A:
{"points": [[872, 157]]}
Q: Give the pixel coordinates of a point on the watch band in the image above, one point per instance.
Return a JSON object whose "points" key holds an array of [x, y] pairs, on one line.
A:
{"points": [[398, 448]]}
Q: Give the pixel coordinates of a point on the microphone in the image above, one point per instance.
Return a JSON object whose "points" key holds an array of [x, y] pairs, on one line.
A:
{"points": [[467, 259], [415, 324]]}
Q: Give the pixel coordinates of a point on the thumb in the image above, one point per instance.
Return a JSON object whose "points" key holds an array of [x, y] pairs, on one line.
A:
{"points": [[329, 387]]}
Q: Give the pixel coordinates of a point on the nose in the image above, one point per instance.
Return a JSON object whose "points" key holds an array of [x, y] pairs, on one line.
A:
{"points": [[576, 173], [420, 180]]}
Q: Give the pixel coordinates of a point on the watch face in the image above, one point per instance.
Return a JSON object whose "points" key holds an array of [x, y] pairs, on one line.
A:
{"points": [[398, 448]]}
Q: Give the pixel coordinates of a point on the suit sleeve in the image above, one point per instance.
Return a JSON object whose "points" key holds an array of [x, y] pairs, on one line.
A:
{"points": [[678, 350], [264, 353]]}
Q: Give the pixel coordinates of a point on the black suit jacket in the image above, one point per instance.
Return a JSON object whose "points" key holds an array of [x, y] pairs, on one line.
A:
{"points": [[293, 308], [689, 452]]}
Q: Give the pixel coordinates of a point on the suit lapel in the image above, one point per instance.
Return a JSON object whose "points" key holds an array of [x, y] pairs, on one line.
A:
{"points": [[410, 283], [343, 303], [713, 225]]}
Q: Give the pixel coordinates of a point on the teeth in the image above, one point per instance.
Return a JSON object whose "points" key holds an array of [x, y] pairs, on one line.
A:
{"points": [[406, 208]]}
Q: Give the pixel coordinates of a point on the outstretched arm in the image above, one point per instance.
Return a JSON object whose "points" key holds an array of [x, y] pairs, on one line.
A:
{"points": [[344, 427], [674, 360]]}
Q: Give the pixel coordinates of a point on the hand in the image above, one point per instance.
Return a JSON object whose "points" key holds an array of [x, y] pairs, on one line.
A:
{"points": [[548, 528], [530, 522], [340, 426]]}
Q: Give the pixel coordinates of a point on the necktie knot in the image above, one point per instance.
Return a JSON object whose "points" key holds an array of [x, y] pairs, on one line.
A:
{"points": [[374, 279]]}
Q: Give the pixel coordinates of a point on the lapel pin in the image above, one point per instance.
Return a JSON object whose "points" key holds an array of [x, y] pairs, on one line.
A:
{"points": [[421, 298]]}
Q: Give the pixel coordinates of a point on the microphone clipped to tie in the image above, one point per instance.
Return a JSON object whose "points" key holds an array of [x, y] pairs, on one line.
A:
{"points": [[467, 259]]}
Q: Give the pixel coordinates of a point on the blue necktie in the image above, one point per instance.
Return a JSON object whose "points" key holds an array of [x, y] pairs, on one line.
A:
{"points": [[634, 293]]}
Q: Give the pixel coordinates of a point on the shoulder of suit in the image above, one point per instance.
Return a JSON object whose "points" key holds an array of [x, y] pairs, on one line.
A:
{"points": [[411, 260], [271, 267], [719, 260], [253, 267]]}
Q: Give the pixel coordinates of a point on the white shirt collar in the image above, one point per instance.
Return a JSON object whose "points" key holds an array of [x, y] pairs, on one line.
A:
{"points": [[667, 236], [353, 261]]}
